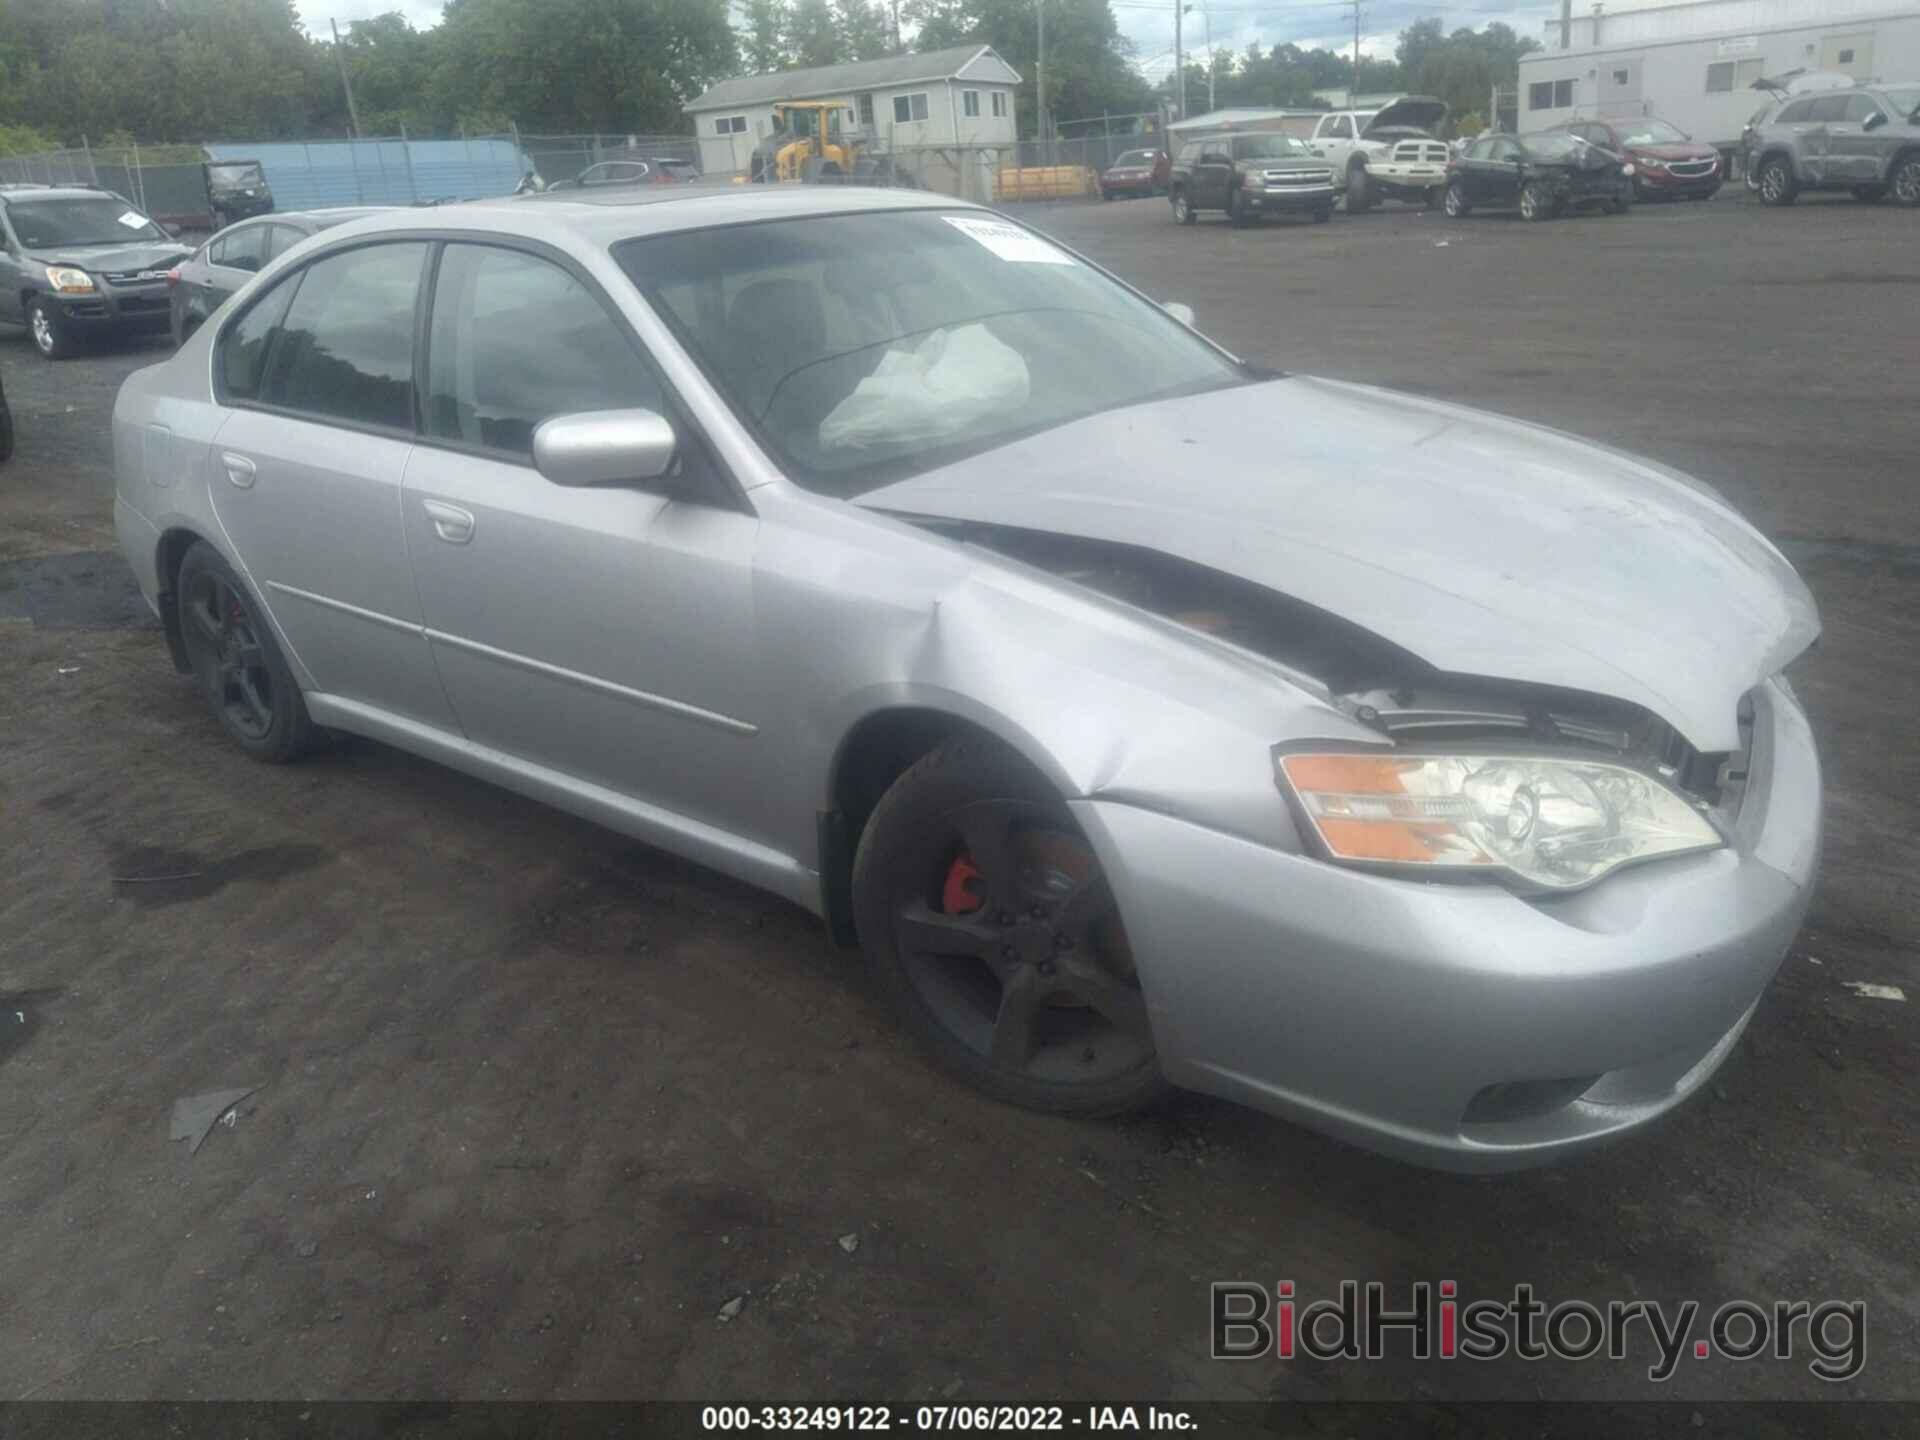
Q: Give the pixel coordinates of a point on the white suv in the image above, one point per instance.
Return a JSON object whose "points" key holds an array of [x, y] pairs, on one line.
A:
{"points": [[1390, 153]]}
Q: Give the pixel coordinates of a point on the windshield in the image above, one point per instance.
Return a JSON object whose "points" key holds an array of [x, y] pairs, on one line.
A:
{"points": [[1135, 157], [1904, 99], [230, 176], [1268, 147], [1650, 132], [92, 220], [865, 348]]}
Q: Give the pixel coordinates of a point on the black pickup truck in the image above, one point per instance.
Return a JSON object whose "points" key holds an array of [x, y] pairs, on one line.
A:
{"points": [[1249, 176]]}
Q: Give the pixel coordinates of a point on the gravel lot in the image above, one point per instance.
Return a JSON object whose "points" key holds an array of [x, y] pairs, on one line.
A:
{"points": [[535, 1102]]}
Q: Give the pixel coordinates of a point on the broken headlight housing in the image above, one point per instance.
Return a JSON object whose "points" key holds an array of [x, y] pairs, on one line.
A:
{"points": [[1549, 822]]}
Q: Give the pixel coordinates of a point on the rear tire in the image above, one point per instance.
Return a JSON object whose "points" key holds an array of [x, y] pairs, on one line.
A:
{"points": [[1183, 211], [1777, 185], [1536, 202], [1455, 201], [234, 656], [986, 920]]}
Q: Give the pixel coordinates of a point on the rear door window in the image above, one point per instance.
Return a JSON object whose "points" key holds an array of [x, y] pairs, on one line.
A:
{"points": [[1827, 109], [1796, 114], [242, 248], [345, 350], [242, 355]]}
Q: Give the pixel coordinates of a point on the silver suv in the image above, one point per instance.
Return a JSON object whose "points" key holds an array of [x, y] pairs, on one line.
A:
{"points": [[1865, 140]]}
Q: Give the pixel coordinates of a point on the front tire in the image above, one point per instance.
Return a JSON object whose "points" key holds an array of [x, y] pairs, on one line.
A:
{"points": [[986, 920], [1777, 185], [48, 326], [1183, 211], [1620, 204], [233, 655], [1455, 201], [1905, 181], [1359, 191], [1322, 214]]}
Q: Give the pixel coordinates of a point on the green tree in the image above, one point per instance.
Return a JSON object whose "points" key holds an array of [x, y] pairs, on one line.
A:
{"points": [[1462, 68], [1089, 62], [866, 30], [813, 33], [763, 47]]}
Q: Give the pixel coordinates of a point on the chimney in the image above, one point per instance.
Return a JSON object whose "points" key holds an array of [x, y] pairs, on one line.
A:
{"points": [[1566, 23], [1597, 8]]}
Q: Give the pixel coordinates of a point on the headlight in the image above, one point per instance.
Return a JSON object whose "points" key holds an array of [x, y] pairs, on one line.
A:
{"points": [[1554, 822], [1648, 162], [1255, 181], [68, 281], [1626, 169]]}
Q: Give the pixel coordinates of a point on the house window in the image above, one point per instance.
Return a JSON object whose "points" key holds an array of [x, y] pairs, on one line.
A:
{"points": [[1550, 95], [1720, 78], [999, 104], [908, 108], [866, 111], [1620, 77], [1846, 57], [730, 125], [970, 104]]}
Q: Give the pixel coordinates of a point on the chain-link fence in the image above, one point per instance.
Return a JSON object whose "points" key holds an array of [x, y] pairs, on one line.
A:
{"points": [[170, 183]]}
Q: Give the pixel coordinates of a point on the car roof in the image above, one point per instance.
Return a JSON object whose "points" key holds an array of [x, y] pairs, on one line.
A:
{"points": [[66, 192], [601, 217]]}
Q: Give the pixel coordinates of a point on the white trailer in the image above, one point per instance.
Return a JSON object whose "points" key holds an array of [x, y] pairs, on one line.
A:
{"points": [[1694, 65]]}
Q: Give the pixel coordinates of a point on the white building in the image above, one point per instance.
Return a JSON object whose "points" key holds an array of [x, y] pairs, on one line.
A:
{"points": [[1694, 64], [963, 96]]}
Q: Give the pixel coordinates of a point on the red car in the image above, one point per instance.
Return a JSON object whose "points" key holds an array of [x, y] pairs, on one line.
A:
{"points": [[1137, 172], [1667, 163]]}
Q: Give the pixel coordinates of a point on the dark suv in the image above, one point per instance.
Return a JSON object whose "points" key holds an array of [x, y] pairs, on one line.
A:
{"points": [[1248, 176], [236, 190], [77, 262], [1865, 139]]}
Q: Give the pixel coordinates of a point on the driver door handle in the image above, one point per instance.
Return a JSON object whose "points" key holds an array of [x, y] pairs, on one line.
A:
{"points": [[239, 469], [450, 522]]}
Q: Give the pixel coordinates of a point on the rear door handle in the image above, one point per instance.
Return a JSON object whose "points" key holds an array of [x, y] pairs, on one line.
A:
{"points": [[450, 522], [239, 469]]}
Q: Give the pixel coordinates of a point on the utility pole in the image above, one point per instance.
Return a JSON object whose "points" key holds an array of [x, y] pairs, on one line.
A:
{"points": [[1206, 14], [1040, 79], [353, 115], [1353, 82], [1180, 58]]}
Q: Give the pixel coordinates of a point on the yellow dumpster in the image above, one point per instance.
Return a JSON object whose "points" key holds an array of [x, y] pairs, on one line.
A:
{"points": [[1045, 182]]}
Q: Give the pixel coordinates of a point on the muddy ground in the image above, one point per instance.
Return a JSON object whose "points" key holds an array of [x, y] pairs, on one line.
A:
{"points": [[535, 1103]]}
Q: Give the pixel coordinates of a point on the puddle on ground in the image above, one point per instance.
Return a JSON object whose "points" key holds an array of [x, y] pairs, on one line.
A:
{"points": [[81, 590], [153, 876]]}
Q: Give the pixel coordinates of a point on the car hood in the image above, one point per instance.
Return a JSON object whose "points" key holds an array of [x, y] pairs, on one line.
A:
{"points": [[113, 259], [1410, 112], [1483, 545]]}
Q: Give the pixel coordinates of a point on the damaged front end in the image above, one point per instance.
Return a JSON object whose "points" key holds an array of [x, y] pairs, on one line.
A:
{"points": [[1425, 714]]}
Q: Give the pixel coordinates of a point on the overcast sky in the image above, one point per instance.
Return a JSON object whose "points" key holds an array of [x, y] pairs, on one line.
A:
{"points": [[1149, 23]]}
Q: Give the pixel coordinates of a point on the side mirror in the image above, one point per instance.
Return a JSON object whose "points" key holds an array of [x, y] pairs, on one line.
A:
{"points": [[167, 227], [1874, 121], [1180, 312], [604, 447]]}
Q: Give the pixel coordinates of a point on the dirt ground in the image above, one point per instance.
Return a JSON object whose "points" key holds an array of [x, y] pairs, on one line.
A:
{"points": [[535, 1103]]}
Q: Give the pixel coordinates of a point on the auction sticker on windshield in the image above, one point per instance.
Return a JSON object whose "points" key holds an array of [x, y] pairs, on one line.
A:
{"points": [[133, 221], [1009, 242]]}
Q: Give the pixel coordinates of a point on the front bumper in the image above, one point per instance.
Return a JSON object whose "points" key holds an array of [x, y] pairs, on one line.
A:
{"points": [[1665, 182], [1378, 1009], [1129, 185], [1288, 197], [120, 309]]}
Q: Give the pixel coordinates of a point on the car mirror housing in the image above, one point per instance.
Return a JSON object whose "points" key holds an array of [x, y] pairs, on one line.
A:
{"points": [[1874, 121], [604, 447], [1181, 312]]}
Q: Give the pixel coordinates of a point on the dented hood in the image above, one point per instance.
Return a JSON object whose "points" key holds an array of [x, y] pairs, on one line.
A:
{"points": [[1483, 545]]}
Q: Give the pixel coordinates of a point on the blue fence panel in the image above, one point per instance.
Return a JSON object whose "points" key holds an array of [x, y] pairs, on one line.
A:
{"points": [[381, 172]]}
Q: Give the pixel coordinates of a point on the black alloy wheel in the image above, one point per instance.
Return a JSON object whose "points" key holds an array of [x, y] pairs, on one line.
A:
{"points": [[986, 916]]}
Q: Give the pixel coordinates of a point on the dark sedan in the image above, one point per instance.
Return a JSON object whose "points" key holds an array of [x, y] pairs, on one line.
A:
{"points": [[201, 283], [1136, 172], [1541, 176], [1668, 164]]}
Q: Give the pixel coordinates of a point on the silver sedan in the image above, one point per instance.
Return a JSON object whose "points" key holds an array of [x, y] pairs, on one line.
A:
{"points": [[1146, 718]]}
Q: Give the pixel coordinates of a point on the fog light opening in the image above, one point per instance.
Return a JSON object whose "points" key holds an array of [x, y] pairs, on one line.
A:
{"points": [[1524, 1099]]}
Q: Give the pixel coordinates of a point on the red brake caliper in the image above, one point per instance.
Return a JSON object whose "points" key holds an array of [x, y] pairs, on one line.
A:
{"points": [[957, 896]]}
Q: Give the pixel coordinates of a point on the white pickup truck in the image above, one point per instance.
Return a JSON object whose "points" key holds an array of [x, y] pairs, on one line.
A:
{"points": [[1391, 153]]}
